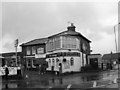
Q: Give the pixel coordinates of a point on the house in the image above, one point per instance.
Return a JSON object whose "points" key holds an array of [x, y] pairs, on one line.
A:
{"points": [[67, 51], [34, 53], [110, 61]]}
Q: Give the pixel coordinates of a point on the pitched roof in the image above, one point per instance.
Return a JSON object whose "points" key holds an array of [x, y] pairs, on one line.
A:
{"points": [[73, 33], [35, 41], [111, 56], [10, 54]]}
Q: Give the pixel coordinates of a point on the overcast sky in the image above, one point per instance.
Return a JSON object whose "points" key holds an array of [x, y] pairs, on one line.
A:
{"points": [[30, 20]]}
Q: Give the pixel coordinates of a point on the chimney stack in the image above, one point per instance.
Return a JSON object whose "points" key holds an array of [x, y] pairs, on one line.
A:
{"points": [[71, 28]]}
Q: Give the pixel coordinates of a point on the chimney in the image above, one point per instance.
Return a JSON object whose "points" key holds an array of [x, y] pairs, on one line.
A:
{"points": [[71, 28]]}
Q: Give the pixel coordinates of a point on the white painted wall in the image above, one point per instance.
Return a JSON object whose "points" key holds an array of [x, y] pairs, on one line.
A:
{"points": [[76, 67], [77, 62]]}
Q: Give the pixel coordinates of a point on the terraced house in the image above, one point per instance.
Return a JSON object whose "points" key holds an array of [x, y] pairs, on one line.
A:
{"points": [[66, 51]]}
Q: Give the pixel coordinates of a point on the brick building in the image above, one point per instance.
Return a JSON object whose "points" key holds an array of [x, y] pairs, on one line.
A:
{"points": [[110, 61], [34, 53]]}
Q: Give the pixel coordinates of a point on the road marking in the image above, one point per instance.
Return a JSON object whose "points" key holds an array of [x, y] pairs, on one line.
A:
{"points": [[94, 84], [115, 81], [49, 87], [68, 87], [99, 86]]}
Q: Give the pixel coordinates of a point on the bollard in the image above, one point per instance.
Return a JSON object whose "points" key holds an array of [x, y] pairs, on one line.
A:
{"points": [[94, 84]]}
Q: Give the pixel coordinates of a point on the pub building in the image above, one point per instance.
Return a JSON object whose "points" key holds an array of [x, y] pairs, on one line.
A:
{"points": [[34, 53], [63, 52], [67, 51]]}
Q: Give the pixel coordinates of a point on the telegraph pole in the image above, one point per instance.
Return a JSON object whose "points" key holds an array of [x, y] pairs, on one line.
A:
{"points": [[115, 39], [117, 56], [118, 59], [16, 45]]}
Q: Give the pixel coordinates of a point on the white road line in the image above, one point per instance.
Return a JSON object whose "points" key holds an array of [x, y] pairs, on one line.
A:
{"points": [[99, 86], [68, 87], [49, 87]]}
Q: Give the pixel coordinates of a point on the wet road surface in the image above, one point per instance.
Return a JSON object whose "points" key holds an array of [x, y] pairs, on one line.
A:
{"points": [[80, 80]]}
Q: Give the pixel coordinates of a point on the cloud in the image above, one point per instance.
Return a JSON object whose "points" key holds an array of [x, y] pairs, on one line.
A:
{"points": [[105, 45], [109, 21], [7, 43], [28, 21]]}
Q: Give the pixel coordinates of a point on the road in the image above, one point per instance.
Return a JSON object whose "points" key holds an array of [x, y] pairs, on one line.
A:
{"points": [[32, 79]]}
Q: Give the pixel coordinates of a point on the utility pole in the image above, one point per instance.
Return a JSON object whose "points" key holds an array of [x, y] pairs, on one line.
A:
{"points": [[16, 45], [115, 39], [118, 58]]}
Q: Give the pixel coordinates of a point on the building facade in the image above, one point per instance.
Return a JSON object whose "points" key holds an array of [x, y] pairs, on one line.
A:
{"points": [[9, 59], [34, 53], [110, 61], [95, 60], [67, 51]]}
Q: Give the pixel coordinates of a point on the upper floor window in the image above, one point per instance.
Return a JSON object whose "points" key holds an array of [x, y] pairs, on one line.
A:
{"points": [[53, 44], [40, 50], [33, 50], [69, 42], [28, 50]]}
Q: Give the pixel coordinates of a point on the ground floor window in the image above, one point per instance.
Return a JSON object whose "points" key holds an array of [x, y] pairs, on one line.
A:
{"points": [[57, 62], [71, 61], [49, 62]]}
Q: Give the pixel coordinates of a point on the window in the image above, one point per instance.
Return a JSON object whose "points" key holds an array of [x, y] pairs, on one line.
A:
{"points": [[28, 51], [53, 44], [69, 42], [49, 63], [64, 60], [71, 61], [57, 60], [53, 62], [40, 50], [33, 50]]}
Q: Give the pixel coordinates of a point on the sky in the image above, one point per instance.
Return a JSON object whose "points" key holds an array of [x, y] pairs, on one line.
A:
{"points": [[27, 21]]}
